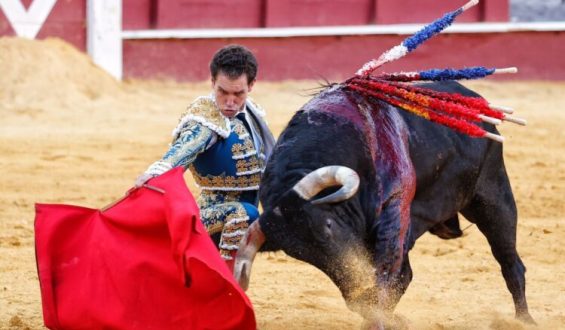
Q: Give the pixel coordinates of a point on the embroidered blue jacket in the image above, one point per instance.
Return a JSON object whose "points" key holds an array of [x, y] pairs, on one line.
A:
{"points": [[222, 154]]}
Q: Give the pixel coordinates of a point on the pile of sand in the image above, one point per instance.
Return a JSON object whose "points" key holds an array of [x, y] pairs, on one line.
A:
{"points": [[50, 87], [39, 74]]}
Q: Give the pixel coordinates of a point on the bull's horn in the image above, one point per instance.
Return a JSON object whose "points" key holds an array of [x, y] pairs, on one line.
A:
{"points": [[328, 176], [250, 244]]}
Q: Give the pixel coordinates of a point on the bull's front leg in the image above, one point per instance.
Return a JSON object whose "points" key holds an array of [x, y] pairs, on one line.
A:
{"points": [[392, 267]]}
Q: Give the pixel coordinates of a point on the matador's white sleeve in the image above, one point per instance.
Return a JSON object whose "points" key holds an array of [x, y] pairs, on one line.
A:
{"points": [[194, 139]]}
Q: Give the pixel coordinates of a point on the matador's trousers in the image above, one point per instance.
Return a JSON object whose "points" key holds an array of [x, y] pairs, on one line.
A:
{"points": [[227, 215]]}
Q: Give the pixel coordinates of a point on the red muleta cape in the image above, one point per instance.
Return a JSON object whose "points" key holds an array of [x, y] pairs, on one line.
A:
{"points": [[145, 263]]}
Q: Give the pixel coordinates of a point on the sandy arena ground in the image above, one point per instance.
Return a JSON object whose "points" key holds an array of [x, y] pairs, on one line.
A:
{"points": [[70, 134]]}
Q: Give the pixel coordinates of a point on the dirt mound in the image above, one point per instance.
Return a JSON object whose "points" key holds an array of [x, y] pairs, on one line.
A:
{"points": [[43, 73]]}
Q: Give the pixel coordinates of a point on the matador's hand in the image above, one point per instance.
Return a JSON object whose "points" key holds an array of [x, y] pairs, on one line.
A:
{"points": [[142, 179]]}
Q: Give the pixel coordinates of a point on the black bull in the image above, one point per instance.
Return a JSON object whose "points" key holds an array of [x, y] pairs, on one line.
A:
{"points": [[411, 175]]}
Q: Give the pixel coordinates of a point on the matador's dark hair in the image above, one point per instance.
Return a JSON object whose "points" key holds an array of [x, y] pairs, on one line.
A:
{"points": [[233, 61]]}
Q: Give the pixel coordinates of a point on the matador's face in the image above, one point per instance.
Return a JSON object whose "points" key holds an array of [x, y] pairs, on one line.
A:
{"points": [[231, 93]]}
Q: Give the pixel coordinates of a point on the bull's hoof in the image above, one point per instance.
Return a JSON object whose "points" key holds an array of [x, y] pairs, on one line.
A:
{"points": [[526, 318], [390, 323]]}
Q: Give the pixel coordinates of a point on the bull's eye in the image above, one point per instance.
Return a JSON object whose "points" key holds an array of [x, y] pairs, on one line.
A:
{"points": [[329, 224]]}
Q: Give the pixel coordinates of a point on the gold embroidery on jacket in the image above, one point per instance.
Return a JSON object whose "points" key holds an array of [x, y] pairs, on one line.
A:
{"points": [[226, 182], [246, 165], [240, 130], [241, 149], [206, 109]]}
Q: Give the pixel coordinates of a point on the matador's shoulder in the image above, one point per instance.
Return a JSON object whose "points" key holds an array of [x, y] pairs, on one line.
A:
{"points": [[204, 111], [257, 109]]}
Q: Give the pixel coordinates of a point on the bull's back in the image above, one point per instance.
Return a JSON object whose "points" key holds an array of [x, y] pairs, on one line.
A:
{"points": [[448, 164]]}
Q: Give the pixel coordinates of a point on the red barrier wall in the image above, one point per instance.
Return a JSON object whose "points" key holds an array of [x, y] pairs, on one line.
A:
{"points": [[167, 14], [209, 14], [423, 11], [283, 13], [538, 55], [67, 21], [138, 14]]}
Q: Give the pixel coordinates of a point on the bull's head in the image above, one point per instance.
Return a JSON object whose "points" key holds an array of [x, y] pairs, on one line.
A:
{"points": [[300, 204]]}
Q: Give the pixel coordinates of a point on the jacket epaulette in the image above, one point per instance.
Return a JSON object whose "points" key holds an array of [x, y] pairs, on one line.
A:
{"points": [[204, 111]]}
